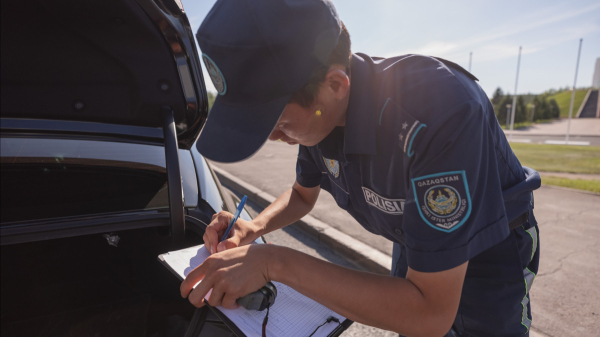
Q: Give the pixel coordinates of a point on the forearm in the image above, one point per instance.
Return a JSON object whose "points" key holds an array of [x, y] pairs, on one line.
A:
{"points": [[382, 301], [286, 209]]}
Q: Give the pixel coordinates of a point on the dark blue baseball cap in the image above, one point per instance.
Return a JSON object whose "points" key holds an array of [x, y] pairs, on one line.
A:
{"points": [[258, 53]]}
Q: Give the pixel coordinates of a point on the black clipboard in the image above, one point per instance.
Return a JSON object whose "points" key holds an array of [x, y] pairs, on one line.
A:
{"points": [[335, 333]]}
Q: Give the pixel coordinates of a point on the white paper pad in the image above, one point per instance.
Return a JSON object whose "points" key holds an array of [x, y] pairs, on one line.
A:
{"points": [[292, 315]]}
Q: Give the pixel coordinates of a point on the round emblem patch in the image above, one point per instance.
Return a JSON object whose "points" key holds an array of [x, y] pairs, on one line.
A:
{"points": [[215, 75], [442, 200]]}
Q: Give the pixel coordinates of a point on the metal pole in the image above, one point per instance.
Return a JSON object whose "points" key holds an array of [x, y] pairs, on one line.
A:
{"points": [[532, 109], [508, 116], [470, 59], [514, 105], [573, 93]]}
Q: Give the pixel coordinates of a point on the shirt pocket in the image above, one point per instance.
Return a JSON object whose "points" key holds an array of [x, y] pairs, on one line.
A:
{"points": [[386, 214], [335, 188]]}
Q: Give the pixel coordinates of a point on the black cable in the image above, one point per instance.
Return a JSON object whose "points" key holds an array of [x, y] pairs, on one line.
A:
{"points": [[264, 326], [330, 319]]}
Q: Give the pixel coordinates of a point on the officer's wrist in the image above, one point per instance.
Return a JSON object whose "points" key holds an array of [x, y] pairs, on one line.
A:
{"points": [[257, 229], [276, 262]]}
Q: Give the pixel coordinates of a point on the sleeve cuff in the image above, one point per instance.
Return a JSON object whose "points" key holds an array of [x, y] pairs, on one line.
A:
{"points": [[309, 182], [430, 262]]}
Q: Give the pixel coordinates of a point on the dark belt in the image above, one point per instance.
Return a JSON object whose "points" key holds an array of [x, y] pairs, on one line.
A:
{"points": [[519, 221]]}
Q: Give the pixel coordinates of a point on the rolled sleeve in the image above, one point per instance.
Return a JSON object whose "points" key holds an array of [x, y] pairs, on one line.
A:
{"points": [[308, 173]]}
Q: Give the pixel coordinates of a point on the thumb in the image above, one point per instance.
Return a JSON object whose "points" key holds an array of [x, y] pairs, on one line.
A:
{"points": [[232, 242]]}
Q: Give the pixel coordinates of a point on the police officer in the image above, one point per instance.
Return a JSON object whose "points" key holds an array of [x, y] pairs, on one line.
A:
{"points": [[408, 145]]}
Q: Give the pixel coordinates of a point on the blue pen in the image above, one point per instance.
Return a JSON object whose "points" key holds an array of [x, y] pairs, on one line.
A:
{"points": [[235, 217]]}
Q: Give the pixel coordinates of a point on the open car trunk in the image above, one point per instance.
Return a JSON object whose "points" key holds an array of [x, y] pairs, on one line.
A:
{"points": [[82, 286]]}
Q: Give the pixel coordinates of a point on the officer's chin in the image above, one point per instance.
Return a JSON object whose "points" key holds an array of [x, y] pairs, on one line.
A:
{"points": [[308, 143]]}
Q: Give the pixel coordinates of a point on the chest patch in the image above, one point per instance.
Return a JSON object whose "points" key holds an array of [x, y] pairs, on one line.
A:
{"points": [[333, 166], [386, 205], [443, 199]]}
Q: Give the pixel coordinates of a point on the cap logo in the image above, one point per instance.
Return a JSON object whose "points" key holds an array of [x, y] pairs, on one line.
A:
{"points": [[215, 75]]}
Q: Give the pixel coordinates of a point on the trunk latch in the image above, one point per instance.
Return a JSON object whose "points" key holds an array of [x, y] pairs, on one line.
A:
{"points": [[112, 240]]}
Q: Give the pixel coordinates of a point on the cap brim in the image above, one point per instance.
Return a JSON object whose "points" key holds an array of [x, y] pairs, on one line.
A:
{"points": [[233, 134]]}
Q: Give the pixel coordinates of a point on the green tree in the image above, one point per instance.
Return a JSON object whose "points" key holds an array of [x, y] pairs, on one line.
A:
{"points": [[541, 107], [545, 108], [497, 97], [501, 110], [554, 109], [521, 111]]}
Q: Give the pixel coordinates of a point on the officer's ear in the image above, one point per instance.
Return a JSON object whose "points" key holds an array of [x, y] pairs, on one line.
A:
{"points": [[337, 81]]}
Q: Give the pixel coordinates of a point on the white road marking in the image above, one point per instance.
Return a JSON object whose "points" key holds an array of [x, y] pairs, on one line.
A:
{"points": [[562, 142]]}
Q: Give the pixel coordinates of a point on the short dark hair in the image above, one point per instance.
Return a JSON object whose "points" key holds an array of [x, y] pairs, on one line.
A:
{"points": [[341, 54]]}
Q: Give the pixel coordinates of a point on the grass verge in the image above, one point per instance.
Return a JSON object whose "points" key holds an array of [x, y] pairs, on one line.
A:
{"points": [[580, 184], [559, 158], [563, 99], [524, 125]]}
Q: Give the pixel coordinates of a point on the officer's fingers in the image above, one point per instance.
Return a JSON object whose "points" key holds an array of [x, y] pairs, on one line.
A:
{"points": [[232, 242], [211, 235], [216, 296], [192, 279], [198, 295], [229, 301], [211, 238], [215, 231]]}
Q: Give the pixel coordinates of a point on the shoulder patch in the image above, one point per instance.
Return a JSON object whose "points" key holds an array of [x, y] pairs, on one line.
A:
{"points": [[443, 199]]}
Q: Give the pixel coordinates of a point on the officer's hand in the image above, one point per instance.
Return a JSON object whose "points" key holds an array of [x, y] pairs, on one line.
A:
{"points": [[242, 233], [230, 274]]}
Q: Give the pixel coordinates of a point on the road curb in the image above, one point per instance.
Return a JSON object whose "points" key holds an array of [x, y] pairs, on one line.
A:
{"points": [[351, 249], [571, 189]]}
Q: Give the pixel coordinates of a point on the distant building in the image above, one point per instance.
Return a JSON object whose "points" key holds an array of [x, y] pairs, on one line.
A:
{"points": [[596, 80]]}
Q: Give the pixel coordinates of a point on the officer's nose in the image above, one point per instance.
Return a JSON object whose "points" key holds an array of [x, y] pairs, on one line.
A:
{"points": [[276, 134]]}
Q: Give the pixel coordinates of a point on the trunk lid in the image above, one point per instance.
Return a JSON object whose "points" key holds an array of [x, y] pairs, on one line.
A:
{"points": [[103, 67]]}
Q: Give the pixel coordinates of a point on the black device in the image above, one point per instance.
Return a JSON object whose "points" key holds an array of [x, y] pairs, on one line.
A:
{"points": [[261, 299]]}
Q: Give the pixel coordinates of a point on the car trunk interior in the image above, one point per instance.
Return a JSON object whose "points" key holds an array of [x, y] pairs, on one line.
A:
{"points": [[82, 286], [66, 190]]}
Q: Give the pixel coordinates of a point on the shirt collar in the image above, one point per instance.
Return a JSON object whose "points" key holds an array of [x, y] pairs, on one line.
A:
{"points": [[361, 116]]}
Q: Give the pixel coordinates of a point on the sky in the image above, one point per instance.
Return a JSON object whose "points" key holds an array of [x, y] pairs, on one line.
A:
{"points": [[548, 31]]}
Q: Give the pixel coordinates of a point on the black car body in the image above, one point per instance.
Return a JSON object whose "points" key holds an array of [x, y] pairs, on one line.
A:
{"points": [[102, 102]]}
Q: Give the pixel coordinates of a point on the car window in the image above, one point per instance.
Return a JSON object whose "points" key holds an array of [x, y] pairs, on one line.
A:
{"points": [[46, 178]]}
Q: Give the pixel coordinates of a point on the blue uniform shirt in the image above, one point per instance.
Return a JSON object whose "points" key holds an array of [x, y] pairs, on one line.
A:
{"points": [[423, 162]]}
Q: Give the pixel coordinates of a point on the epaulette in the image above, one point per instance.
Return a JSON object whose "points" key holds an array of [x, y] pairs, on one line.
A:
{"points": [[457, 67]]}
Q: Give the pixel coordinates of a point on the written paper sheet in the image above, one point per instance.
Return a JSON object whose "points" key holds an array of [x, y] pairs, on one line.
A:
{"points": [[292, 315]]}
